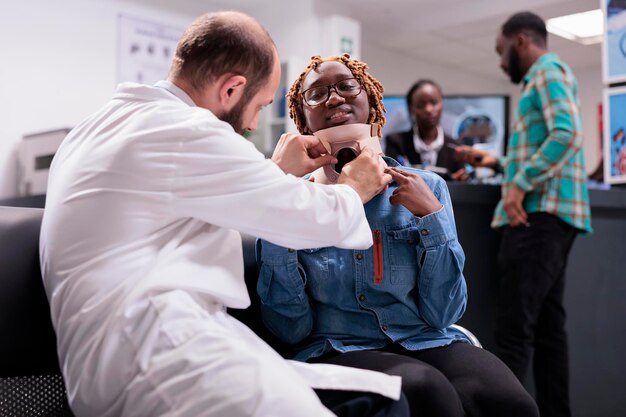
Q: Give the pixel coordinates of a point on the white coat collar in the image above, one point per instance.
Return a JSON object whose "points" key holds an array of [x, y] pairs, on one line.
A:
{"points": [[175, 90]]}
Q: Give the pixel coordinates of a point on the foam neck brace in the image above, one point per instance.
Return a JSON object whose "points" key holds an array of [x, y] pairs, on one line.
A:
{"points": [[345, 143]]}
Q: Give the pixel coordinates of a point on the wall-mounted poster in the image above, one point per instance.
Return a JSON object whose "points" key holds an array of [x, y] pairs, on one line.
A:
{"points": [[615, 135], [145, 50], [614, 45]]}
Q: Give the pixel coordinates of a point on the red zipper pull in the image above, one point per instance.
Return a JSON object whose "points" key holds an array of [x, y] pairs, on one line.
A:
{"points": [[378, 256]]}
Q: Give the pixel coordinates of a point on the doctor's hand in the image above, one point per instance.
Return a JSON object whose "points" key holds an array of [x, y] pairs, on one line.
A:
{"points": [[413, 193], [366, 175], [300, 155]]}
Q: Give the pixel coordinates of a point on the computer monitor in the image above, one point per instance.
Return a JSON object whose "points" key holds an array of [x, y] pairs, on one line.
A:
{"points": [[478, 120]]}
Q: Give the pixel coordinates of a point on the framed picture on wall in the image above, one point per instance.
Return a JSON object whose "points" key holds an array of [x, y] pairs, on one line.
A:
{"points": [[614, 45], [145, 49], [614, 135]]}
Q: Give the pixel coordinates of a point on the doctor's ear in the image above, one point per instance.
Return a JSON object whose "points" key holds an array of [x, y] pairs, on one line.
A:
{"points": [[231, 89]]}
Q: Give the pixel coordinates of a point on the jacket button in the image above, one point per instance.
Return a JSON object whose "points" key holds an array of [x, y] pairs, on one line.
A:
{"points": [[361, 297], [359, 256], [385, 327], [424, 232]]}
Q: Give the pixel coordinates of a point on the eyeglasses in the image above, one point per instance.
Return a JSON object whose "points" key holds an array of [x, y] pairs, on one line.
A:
{"points": [[350, 87]]}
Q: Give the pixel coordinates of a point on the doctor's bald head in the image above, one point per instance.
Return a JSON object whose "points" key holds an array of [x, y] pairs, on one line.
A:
{"points": [[224, 43]]}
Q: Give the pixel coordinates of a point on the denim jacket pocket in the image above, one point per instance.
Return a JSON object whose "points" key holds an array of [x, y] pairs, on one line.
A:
{"points": [[402, 254], [314, 263], [281, 284]]}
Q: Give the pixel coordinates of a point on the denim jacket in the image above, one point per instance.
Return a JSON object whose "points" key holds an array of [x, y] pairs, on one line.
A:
{"points": [[407, 288]]}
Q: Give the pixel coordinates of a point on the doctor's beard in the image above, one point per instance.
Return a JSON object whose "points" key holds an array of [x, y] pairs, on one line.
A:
{"points": [[234, 117]]}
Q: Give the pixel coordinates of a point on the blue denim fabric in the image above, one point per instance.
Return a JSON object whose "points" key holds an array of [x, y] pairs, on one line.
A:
{"points": [[322, 299]]}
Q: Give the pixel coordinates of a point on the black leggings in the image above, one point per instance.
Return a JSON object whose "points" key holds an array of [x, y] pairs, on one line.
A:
{"points": [[363, 404], [454, 380]]}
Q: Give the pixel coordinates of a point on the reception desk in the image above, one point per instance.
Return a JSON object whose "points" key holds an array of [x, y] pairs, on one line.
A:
{"points": [[595, 293]]}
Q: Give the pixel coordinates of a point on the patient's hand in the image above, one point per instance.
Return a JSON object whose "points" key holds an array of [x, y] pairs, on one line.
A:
{"points": [[413, 193], [366, 174]]}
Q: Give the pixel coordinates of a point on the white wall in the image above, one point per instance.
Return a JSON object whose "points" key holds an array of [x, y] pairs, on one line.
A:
{"points": [[58, 66], [398, 71], [590, 93], [294, 26]]}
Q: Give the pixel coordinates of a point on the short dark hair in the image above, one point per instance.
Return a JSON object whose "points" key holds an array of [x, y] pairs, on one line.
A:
{"points": [[419, 84], [529, 23], [220, 43]]}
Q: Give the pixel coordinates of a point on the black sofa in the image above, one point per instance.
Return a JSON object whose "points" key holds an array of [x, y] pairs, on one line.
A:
{"points": [[30, 379]]}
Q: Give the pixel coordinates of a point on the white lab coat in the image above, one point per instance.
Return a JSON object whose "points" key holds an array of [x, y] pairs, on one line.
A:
{"points": [[140, 256]]}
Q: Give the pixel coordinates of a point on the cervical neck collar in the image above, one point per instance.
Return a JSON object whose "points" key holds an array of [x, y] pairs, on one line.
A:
{"points": [[345, 143]]}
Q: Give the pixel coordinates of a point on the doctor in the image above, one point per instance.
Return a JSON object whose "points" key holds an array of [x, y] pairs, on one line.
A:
{"points": [[139, 247]]}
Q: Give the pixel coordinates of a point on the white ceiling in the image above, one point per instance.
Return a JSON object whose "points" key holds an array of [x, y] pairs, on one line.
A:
{"points": [[453, 33]]}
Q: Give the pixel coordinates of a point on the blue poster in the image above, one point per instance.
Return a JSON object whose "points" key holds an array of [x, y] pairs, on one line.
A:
{"points": [[615, 41], [615, 136]]}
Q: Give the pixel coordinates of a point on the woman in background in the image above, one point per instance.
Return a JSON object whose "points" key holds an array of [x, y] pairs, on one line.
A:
{"points": [[426, 143]]}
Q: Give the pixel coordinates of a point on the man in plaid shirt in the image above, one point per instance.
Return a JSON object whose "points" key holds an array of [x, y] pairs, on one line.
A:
{"points": [[544, 206]]}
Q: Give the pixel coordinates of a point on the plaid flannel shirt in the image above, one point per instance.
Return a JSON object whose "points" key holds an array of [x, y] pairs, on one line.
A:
{"points": [[544, 154]]}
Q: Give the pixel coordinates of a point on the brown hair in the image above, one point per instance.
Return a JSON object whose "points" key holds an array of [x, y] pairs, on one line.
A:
{"points": [[220, 43], [372, 86]]}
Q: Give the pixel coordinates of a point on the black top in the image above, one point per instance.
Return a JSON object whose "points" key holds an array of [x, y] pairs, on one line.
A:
{"points": [[401, 144]]}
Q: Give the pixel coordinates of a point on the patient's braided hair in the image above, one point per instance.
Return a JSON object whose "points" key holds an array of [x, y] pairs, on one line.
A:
{"points": [[372, 86]]}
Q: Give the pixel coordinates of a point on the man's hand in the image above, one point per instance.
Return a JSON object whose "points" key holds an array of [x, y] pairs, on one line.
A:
{"points": [[413, 193], [300, 155], [475, 157], [366, 174], [513, 205], [461, 175]]}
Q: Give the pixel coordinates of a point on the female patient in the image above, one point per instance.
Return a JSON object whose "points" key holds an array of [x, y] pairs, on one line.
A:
{"points": [[387, 308]]}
